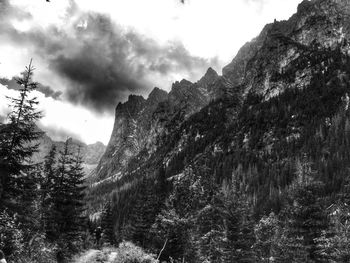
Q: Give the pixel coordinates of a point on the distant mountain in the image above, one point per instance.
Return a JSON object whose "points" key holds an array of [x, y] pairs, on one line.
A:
{"points": [[91, 153]]}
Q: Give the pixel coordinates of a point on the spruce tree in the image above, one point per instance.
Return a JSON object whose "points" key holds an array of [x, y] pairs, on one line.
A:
{"points": [[66, 222], [47, 187], [172, 234], [142, 214], [107, 225], [265, 235], [238, 228], [306, 221], [58, 196], [334, 243], [19, 175], [75, 219], [209, 222]]}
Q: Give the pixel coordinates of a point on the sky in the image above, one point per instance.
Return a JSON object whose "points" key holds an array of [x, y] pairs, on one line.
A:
{"points": [[90, 55]]}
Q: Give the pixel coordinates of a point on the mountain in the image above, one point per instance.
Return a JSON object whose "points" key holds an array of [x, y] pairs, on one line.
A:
{"points": [[139, 122], [277, 119], [91, 153], [278, 59]]}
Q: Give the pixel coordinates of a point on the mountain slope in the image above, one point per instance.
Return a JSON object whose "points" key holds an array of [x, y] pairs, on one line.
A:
{"points": [[278, 59], [278, 116]]}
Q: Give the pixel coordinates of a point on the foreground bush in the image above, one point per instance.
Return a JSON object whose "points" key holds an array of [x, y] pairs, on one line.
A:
{"points": [[38, 250], [11, 237], [125, 253], [129, 253]]}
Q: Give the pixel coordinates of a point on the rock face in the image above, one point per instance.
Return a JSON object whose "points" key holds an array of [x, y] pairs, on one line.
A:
{"points": [[139, 122], [285, 56], [318, 25], [133, 122]]}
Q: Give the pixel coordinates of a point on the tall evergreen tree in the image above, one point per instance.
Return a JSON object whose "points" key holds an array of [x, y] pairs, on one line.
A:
{"points": [[306, 221], [74, 218], [143, 213], [19, 176], [108, 236], [58, 195], [265, 234], [16, 147], [66, 222], [47, 187], [238, 227]]}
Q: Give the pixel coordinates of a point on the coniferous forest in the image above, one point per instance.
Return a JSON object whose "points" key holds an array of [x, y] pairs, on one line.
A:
{"points": [[42, 204], [251, 166]]}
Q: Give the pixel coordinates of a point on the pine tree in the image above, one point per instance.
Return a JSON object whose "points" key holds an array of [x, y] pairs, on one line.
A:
{"points": [[334, 243], [58, 196], [19, 175], [107, 225], [142, 215], [290, 248], [74, 218], [265, 234], [239, 227], [47, 186], [209, 232], [66, 222], [306, 222], [172, 234]]}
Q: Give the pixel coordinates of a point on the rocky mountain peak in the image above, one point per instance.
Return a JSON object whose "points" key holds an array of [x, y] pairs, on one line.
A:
{"points": [[209, 78], [211, 74], [157, 95], [134, 100], [184, 83], [131, 107]]}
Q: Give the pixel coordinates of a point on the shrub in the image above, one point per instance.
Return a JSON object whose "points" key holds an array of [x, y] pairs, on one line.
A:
{"points": [[38, 250], [129, 253], [11, 236], [125, 253]]}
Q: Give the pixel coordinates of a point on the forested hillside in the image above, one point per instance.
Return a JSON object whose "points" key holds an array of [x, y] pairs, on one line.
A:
{"points": [[258, 172]]}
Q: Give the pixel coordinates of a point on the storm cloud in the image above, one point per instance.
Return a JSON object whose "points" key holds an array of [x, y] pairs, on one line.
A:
{"points": [[46, 90], [109, 64], [101, 63]]}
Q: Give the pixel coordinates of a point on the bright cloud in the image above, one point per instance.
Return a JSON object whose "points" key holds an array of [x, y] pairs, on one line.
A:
{"points": [[65, 118]]}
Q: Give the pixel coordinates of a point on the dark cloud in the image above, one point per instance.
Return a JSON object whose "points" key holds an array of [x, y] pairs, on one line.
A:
{"points": [[46, 90], [109, 65], [102, 63]]}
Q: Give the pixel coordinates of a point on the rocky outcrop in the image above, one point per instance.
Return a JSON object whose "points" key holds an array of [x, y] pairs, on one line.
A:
{"points": [[319, 25], [132, 126]]}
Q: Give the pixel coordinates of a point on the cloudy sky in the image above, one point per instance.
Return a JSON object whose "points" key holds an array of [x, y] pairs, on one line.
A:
{"points": [[91, 54]]}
